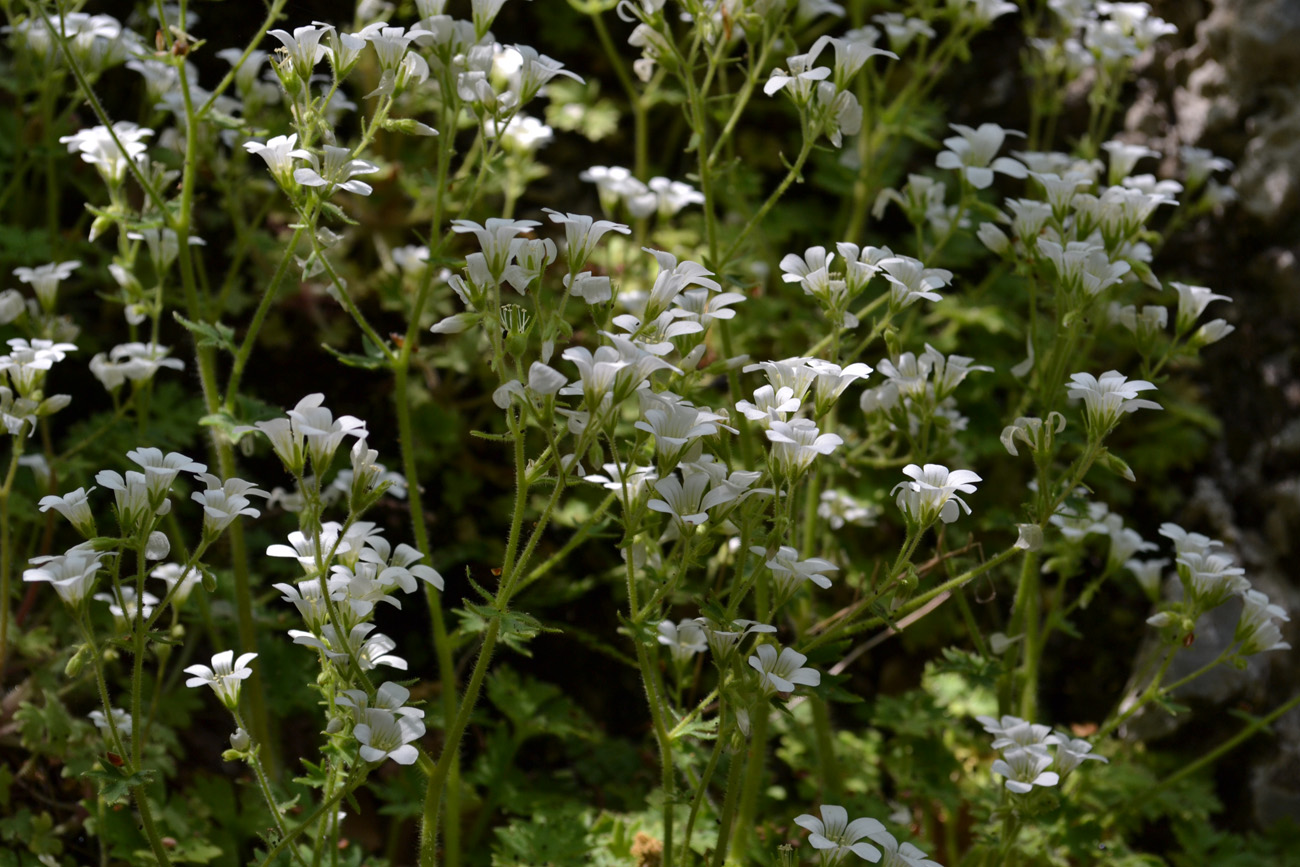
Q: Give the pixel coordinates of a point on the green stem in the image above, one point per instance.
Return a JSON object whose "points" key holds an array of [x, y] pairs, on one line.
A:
{"points": [[6, 552], [754, 767], [1227, 746], [767, 205], [311, 819], [728, 807], [259, 316], [1028, 605], [451, 745]]}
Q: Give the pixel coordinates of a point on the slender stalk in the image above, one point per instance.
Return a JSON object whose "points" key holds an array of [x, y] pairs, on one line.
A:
{"points": [[6, 551], [776, 195]]}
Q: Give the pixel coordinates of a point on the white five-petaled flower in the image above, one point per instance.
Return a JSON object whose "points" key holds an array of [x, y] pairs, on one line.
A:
{"points": [[278, 153], [97, 147], [223, 501], [835, 836], [72, 574], [796, 444], [1107, 398], [723, 637], [1072, 752], [337, 172], [932, 494], [224, 676], [581, 234], [75, 506], [535, 70], [802, 77], [45, 279], [303, 47], [899, 854], [1192, 301], [137, 362], [789, 572], [496, 240], [1259, 629], [782, 672], [972, 152], [388, 735], [910, 281], [769, 404], [683, 639], [1024, 768]]}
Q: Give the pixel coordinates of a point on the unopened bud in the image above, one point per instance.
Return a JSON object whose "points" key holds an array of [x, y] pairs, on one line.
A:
{"points": [[78, 660], [240, 740]]}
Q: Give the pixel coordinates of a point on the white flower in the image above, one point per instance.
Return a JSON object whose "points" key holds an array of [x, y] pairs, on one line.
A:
{"points": [[796, 444], [1012, 731], [161, 470], [323, 432], [723, 637], [496, 239], [793, 373], [224, 676], [97, 147], [1072, 752], [835, 836], [1209, 579], [120, 718], [170, 574], [137, 362], [1123, 157], [671, 196], [1148, 574], [386, 735], [302, 47], [802, 77], [28, 362], [72, 573], [769, 405], [782, 672], [838, 508], [581, 234], [589, 287], [535, 70], [683, 639], [75, 506], [337, 173], [278, 153], [675, 424], [522, 133], [1186, 542], [1192, 301], [133, 498], [672, 279], [1107, 398], [789, 572], [126, 607], [932, 495], [221, 506], [1259, 630], [910, 281], [972, 153], [1199, 163], [899, 854], [45, 279], [1025, 768]]}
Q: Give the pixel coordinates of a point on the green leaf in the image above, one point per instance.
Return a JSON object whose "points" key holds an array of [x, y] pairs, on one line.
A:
{"points": [[115, 783], [372, 360], [209, 333], [515, 629]]}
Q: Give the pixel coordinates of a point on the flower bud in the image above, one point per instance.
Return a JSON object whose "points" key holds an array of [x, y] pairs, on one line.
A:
{"points": [[78, 660], [240, 740], [334, 726]]}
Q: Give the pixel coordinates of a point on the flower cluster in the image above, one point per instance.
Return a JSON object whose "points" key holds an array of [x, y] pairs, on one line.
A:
{"points": [[1026, 759]]}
